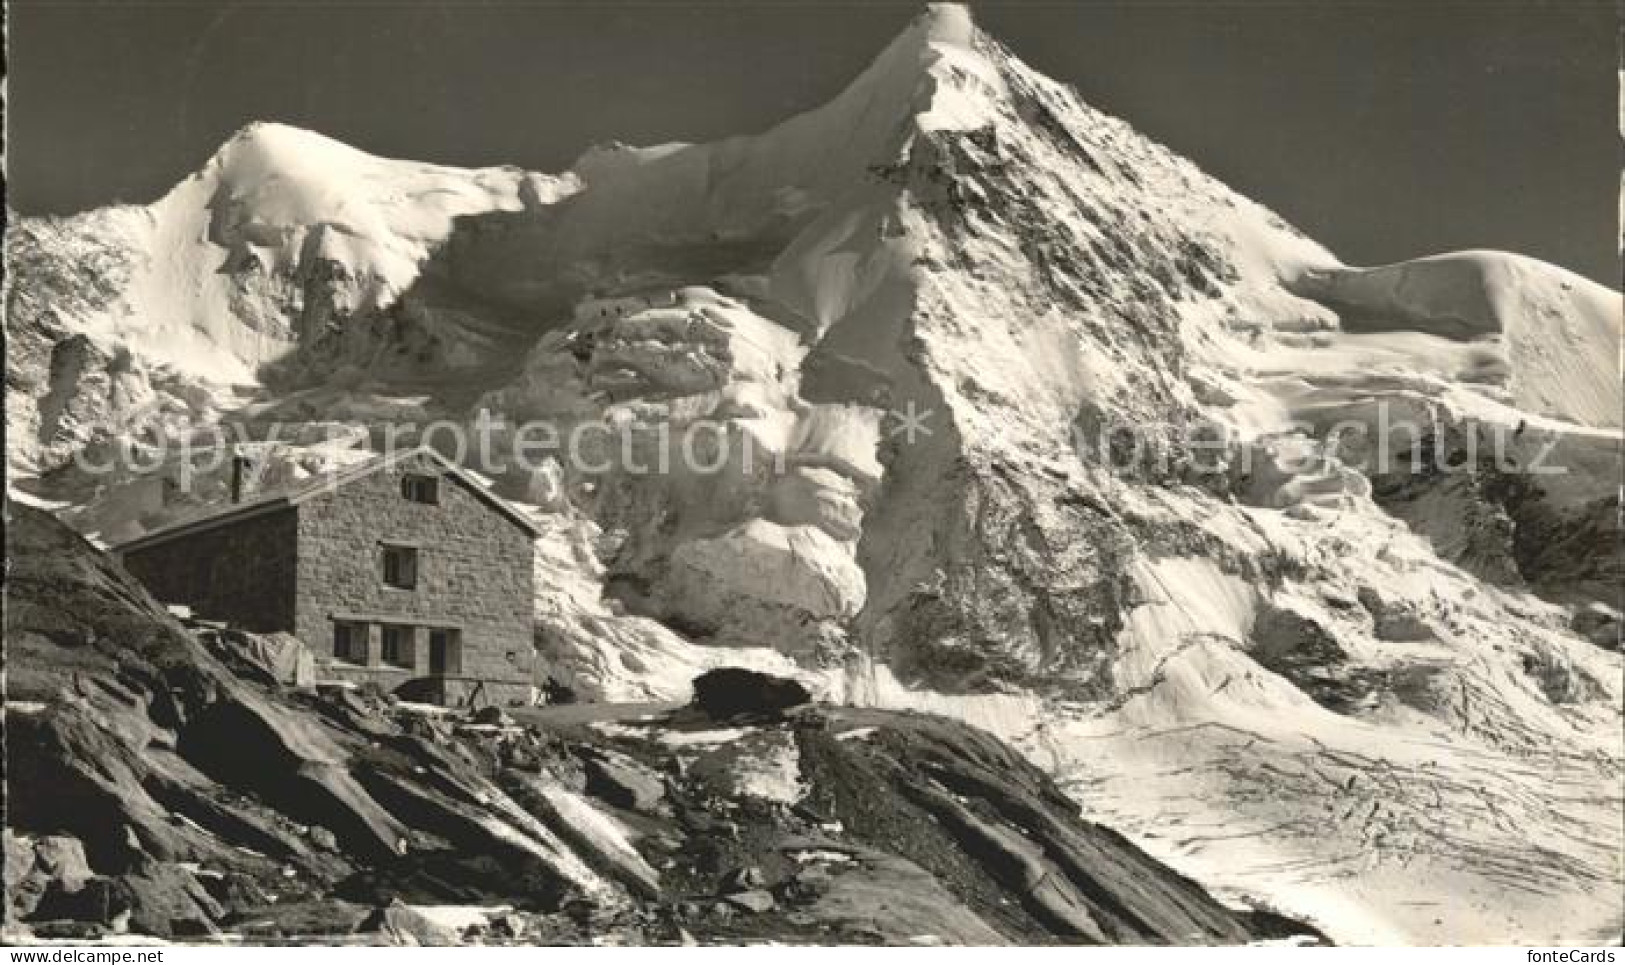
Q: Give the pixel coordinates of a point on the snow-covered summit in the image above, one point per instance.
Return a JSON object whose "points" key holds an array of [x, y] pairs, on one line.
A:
{"points": [[281, 232], [280, 195], [285, 231]]}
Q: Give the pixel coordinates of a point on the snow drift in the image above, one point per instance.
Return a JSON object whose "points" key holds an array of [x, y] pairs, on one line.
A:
{"points": [[1558, 333]]}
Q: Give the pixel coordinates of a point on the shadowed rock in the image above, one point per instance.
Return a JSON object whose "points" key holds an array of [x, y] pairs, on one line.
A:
{"points": [[729, 692]]}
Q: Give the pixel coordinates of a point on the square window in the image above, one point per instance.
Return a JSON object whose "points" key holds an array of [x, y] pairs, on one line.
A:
{"points": [[401, 567], [421, 489], [398, 646], [350, 642]]}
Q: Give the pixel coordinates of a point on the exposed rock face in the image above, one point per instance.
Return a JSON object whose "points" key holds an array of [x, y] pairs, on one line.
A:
{"points": [[995, 811], [991, 407]]}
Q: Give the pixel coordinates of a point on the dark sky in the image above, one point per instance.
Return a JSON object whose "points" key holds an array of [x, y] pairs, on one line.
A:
{"points": [[1384, 129]]}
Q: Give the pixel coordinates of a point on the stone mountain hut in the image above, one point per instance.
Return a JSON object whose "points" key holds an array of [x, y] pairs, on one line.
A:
{"points": [[404, 571]]}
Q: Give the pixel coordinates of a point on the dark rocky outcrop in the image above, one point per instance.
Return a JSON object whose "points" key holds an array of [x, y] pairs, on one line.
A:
{"points": [[729, 692], [999, 833]]}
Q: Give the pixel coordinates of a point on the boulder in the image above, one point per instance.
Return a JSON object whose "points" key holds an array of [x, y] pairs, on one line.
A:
{"points": [[729, 692], [884, 899], [63, 859], [623, 782], [39, 868], [19, 868]]}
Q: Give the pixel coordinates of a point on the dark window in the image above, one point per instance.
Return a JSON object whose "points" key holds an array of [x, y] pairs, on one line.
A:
{"points": [[445, 652], [350, 642], [421, 489], [401, 567], [398, 646]]}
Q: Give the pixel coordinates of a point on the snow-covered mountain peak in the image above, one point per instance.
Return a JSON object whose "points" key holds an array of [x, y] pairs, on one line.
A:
{"points": [[281, 213], [287, 173], [938, 67], [271, 180], [936, 75], [280, 234], [1007, 411]]}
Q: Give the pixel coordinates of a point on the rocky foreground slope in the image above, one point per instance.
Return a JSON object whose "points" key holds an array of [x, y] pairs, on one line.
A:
{"points": [[159, 784], [1009, 413]]}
